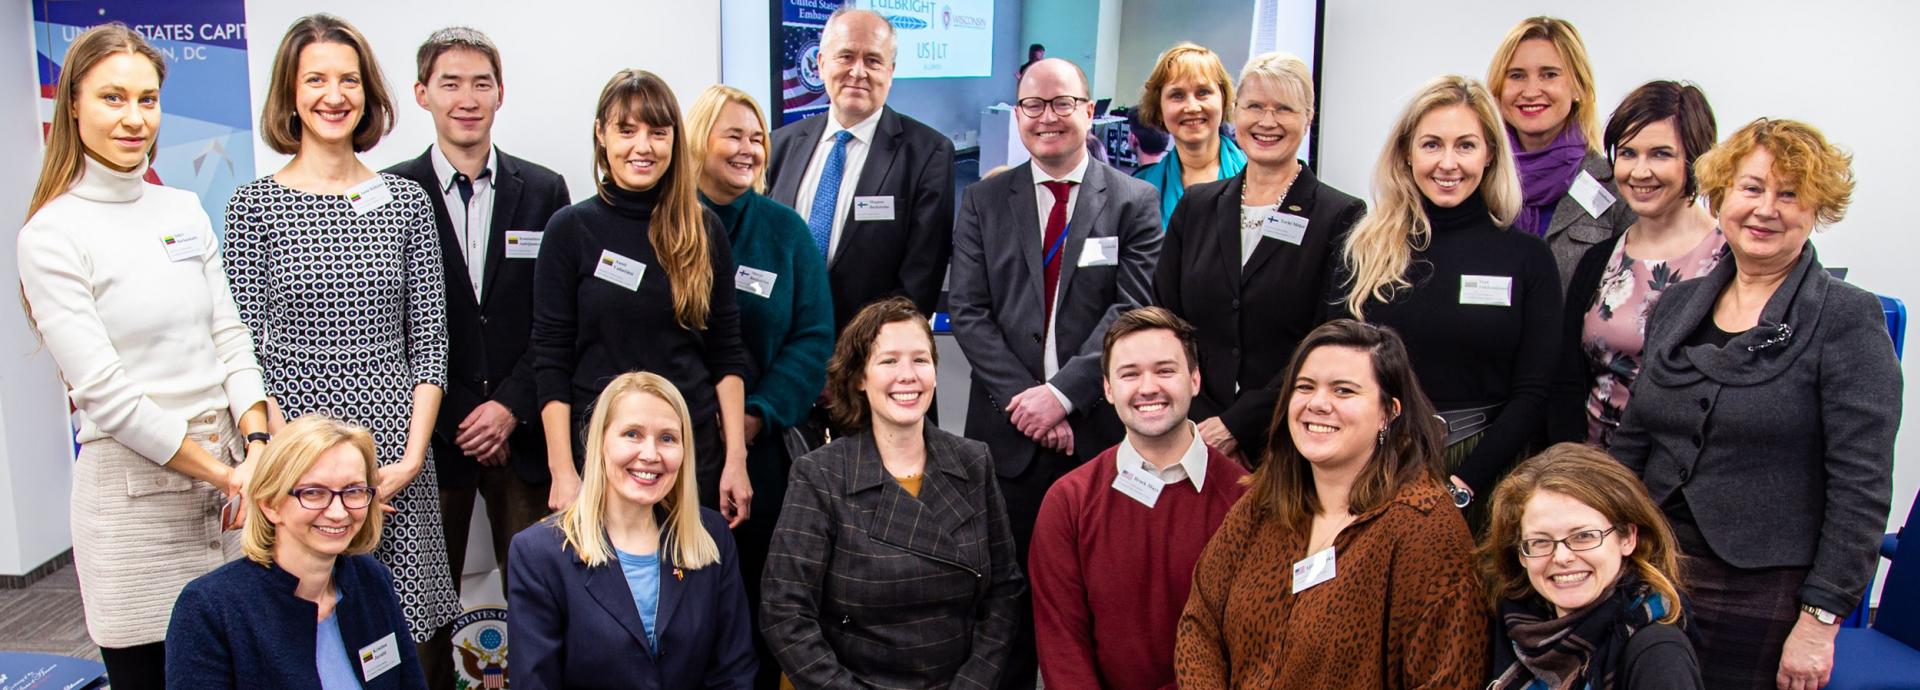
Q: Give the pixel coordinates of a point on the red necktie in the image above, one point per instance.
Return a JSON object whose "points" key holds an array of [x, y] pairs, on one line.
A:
{"points": [[1056, 224]]}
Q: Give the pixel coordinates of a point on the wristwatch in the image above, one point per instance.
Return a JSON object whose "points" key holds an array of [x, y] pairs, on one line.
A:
{"points": [[260, 436], [1819, 614]]}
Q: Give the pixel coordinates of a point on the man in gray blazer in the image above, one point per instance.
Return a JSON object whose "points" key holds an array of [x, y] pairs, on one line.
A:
{"points": [[1045, 256]]}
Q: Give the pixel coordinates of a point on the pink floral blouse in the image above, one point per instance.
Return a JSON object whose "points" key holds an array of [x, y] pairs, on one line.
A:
{"points": [[1616, 325]]}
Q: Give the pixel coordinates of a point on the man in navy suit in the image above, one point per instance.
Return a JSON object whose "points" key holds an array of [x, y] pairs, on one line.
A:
{"points": [[491, 209], [885, 221]]}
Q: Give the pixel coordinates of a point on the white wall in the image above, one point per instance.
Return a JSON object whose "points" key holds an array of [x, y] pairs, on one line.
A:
{"points": [[1838, 66], [554, 62], [1148, 27], [36, 452]]}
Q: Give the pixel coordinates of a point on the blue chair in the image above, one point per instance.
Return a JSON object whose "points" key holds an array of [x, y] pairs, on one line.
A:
{"points": [[1887, 655], [1896, 314]]}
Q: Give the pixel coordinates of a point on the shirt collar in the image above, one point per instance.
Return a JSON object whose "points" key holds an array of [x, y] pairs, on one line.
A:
{"points": [[1077, 175], [1193, 463], [443, 170], [862, 130]]}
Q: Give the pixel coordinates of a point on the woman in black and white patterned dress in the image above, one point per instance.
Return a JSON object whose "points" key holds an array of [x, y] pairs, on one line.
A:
{"points": [[337, 271]]}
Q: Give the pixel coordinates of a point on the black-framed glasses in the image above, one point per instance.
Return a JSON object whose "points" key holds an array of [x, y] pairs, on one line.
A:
{"points": [[319, 497], [1034, 106], [1584, 540]]}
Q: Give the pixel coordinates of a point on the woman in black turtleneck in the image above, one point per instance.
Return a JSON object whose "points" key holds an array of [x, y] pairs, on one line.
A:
{"points": [[1478, 305], [639, 278]]}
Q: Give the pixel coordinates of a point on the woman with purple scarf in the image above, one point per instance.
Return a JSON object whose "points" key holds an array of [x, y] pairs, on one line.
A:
{"points": [[1544, 83]]}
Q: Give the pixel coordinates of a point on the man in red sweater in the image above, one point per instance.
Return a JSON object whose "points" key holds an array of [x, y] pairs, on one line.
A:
{"points": [[1116, 540]]}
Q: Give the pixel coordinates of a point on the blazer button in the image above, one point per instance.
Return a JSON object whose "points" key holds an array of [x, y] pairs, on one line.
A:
{"points": [[1704, 404], [846, 620], [483, 320], [486, 384], [1038, 339], [1235, 351], [1236, 304], [1685, 474], [1696, 440]]}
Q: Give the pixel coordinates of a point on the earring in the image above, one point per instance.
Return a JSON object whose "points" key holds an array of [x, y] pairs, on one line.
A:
{"points": [[1382, 440]]}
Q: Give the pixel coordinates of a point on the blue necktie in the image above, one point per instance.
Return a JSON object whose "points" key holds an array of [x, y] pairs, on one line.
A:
{"points": [[827, 195]]}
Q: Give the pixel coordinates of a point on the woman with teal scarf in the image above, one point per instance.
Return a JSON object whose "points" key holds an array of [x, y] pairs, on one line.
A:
{"points": [[1189, 94], [786, 311]]}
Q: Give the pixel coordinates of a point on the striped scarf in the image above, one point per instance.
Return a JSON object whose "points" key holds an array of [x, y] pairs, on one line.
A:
{"points": [[1578, 651]]}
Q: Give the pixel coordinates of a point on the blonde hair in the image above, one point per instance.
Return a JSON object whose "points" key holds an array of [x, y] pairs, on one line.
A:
{"points": [[584, 525], [1820, 173], [287, 459], [706, 112], [1565, 39], [1380, 248], [1185, 60], [66, 155], [1283, 70], [678, 228], [1588, 475]]}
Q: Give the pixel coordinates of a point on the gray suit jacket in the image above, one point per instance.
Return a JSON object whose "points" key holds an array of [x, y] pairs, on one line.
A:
{"points": [[997, 292], [867, 585], [1781, 443], [1571, 232]]}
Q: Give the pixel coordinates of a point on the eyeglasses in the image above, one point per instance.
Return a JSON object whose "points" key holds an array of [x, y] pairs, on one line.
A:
{"points": [[1585, 540], [1260, 112], [1034, 106], [320, 497]]}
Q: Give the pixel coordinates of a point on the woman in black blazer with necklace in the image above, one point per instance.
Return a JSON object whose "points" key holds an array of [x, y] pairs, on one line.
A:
{"points": [[1246, 259], [893, 562]]}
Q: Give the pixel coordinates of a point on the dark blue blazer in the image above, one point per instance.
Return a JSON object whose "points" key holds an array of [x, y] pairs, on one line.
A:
{"points": [[574, 626], [241, 626]]}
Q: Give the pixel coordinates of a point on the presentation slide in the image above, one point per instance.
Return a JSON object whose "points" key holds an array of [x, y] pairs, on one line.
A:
{"points": [[940, 38]]}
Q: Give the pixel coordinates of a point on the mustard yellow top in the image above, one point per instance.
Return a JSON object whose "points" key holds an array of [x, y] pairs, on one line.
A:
{"points": [[911, 484]]}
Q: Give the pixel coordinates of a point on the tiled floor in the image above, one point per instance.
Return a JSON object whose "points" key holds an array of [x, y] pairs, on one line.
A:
{"points": [[46, 617]]}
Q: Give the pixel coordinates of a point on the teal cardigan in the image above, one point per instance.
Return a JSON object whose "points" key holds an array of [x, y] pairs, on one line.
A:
{"points": [[1165, 175], [789, 331]]}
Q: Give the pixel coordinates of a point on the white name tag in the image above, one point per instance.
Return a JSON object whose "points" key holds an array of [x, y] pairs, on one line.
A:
{"points": [[369, 195], [1139, 486], [619, 270], [1285, 227], [755, 281], [1100, 251], [379, 657], [523, 244], [1592, 196], [186, 245], [1492, 291], [873, 208], [1313, 570]]}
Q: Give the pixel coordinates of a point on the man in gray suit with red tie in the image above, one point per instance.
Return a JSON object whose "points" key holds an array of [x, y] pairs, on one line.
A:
{"points": [[1045, 256]]}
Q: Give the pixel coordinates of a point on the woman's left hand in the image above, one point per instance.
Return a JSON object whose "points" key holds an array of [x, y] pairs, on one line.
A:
{"points": [[736, 491], [1806, 662]]}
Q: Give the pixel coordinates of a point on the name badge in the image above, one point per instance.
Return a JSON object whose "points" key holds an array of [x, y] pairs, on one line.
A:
{"points": [[1139, 486], [1100, 251], [186, 245], [1492, 291], [1285, 227], [379, 657], [1592, 196], [1313, 570], [523, 244], [873, 208], [619, 270], [755, 281], [367, 196]]}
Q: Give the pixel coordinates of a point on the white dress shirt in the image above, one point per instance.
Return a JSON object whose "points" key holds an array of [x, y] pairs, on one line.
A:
{"points": [[1192, 465], [1050, 357], [472, 222], [856, 161], [144, 342]]}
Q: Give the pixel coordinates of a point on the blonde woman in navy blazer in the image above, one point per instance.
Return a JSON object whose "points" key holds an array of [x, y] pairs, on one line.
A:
{"points": [[634, 585]]}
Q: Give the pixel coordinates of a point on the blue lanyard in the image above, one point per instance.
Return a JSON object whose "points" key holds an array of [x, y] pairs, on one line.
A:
{"points": [[1058, 242]]}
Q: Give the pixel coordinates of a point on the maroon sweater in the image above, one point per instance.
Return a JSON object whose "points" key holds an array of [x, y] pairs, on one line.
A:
{"points": [[1110, 575]]}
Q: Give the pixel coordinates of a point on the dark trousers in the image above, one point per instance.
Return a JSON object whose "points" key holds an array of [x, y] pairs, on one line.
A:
{"points": [[137, 667], [436, 658], [512, 505], [1023, 495]]}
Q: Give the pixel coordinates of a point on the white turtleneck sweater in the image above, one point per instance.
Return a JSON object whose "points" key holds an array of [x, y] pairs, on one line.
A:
{"points": [[144, 342]]}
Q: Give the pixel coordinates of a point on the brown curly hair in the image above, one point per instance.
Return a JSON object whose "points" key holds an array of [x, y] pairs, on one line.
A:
{"points": [[846, 369]]}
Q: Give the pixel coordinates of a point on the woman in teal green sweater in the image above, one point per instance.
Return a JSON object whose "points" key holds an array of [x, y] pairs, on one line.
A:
{"points": [[786, 312], [1189, 94]]}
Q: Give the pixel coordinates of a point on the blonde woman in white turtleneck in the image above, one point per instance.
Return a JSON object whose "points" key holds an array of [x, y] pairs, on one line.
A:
{"points": [[122, 279]]}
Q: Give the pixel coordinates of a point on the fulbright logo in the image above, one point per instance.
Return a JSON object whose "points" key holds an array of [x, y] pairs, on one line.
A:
{"points": [[906, 23]]}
